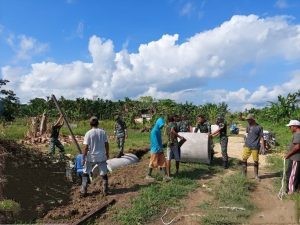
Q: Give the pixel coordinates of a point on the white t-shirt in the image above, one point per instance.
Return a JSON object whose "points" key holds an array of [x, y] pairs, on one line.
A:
{"points": [[95, 138]]}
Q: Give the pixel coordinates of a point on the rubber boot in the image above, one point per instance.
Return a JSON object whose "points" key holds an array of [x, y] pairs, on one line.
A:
{"points": [[256, 171], [105, 186], [225, 164], [120, 154], [62, 157], [244, 168], [83, 190]]}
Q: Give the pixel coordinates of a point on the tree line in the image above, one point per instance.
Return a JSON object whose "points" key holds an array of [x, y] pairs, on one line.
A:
{"points": [[81, 109]]}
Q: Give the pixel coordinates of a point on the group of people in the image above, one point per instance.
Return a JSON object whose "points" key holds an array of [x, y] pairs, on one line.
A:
{"points": [[96, 147], [95, 150], [176, 124]]}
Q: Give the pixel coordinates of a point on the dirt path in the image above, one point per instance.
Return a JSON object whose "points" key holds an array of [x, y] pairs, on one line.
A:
{"points": [[270, 210]]}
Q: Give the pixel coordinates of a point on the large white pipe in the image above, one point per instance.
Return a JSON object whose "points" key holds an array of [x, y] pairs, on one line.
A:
{"points": [[115, 163], [197, 148]]}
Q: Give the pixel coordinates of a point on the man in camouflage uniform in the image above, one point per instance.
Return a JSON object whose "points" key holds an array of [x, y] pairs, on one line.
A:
{"points": [[222, 132], [54, 140], [120, 134], [184, 125], [202, 125]]}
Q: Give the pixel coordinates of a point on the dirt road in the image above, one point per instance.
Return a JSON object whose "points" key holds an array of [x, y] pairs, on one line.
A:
{"points": [[270, 210]]}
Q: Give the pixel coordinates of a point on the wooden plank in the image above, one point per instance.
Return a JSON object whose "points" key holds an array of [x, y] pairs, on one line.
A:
{"points": [[95, 212], [66, 121]]}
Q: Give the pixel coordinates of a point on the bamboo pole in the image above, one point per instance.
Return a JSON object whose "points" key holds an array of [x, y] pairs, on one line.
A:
{"points": [[66, 121]]}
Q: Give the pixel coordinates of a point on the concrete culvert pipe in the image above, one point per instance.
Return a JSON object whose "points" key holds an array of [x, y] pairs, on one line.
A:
{"points": [[115, 163], [197, 148]]}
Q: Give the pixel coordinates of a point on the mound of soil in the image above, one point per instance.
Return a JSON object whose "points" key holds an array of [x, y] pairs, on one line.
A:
{"points": [[122, 185], [28, 177]]}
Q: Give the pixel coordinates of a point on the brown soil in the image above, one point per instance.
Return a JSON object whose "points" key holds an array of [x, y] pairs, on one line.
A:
{"points": [[30, 179], [124, 184]]}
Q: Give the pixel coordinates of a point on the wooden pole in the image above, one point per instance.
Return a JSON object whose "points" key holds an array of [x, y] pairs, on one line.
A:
{"points": [[93, 213], [66, 121]]}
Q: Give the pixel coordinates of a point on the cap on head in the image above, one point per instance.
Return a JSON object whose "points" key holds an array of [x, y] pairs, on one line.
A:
{"points": [[250, 117], [94, 121], [117, 117], [293, 123]]}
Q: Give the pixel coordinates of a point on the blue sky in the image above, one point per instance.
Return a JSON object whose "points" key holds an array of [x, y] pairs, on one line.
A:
{"points": [[243, 52]]}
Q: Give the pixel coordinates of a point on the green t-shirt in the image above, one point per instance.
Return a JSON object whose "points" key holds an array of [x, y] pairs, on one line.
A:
{"points": [[171, 139], [295, 140]]}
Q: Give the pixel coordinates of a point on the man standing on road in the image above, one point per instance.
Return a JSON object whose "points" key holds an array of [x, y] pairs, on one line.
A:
{"points": [[95, 152], [254, 139], [222, 132], [293, 156], [120, 134], [157, 157], [54, 141]]}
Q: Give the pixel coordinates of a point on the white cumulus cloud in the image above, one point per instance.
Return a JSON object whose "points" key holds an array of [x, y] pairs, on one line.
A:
{"points": [[166, 68]]}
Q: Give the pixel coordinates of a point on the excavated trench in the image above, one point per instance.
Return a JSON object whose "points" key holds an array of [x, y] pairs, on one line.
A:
{"points": [[29, 178]]}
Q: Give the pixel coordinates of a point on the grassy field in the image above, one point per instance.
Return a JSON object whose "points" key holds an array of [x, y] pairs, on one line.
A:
{"points": [[154, 199]]}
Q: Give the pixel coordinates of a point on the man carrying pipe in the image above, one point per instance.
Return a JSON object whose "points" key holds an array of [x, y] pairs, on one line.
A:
{"points": [[173, 145], [54, 141], [254, 139], [95, 152]]}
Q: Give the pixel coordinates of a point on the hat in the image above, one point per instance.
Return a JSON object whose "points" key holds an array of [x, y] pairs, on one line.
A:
{"points": [[93, 118], [250, 117], [293, 123]]}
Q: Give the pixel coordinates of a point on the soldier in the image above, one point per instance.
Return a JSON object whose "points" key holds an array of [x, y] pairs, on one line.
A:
{"points": [[184, 125], [120, 134], [202, 125], [222, 132], [54, 140]]}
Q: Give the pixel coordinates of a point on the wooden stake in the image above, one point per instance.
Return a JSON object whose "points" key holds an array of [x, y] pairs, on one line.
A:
{"points": [[66, 121], [93, 213]]}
